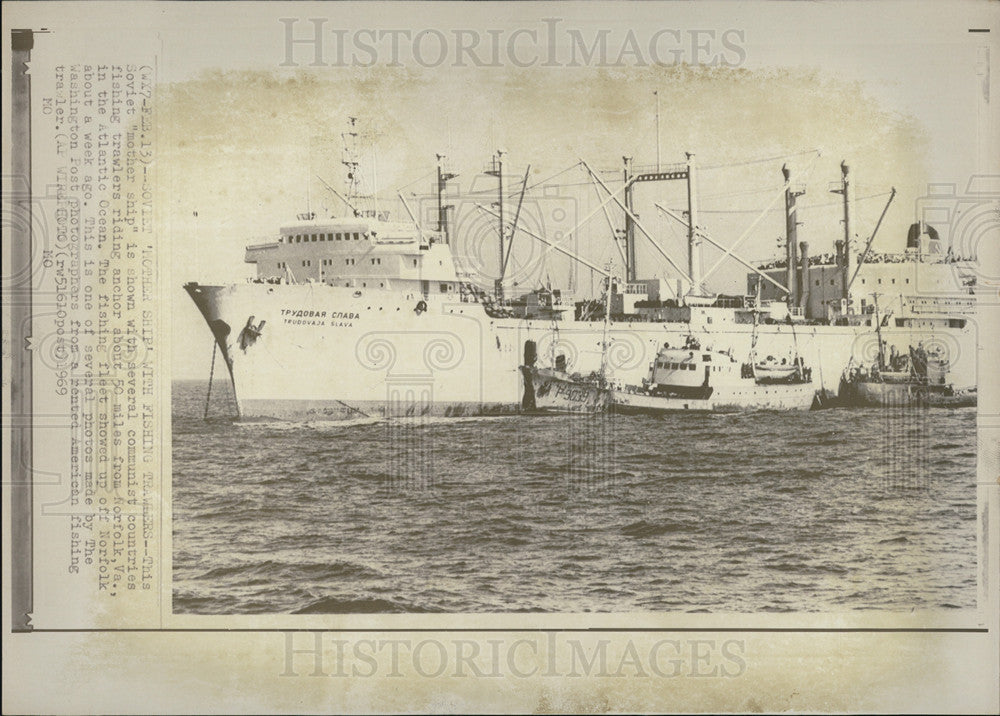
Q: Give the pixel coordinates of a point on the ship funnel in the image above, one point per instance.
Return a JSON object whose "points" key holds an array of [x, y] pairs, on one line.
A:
{"points": [[791, 233]]}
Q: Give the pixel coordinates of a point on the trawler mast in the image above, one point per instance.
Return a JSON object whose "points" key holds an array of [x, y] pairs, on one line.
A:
{"points": [[443, 177]]}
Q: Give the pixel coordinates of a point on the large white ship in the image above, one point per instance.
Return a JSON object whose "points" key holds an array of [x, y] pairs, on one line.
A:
{"points": [[361, 316]]}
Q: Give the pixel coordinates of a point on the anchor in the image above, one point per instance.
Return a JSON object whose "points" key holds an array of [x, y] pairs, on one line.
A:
{"points": [[250, 333]]}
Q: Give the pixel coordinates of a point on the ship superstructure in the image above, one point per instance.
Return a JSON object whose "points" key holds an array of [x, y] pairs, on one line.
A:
{"points": [[358, 252]]}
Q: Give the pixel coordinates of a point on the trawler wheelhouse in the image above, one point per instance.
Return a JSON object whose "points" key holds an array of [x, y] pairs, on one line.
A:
{"points": [[692, 367]]}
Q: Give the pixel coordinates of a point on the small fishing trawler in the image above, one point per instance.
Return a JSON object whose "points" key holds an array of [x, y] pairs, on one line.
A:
{"points": [[689, 378], [915, 377], [683, 378], [555, 390], [903, 379]]}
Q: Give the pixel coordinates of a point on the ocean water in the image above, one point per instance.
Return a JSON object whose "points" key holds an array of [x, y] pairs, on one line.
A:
{"points": [[829, 510]]}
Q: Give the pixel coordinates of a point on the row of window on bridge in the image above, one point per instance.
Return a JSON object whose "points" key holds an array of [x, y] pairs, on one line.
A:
{"points": [[306, 238]]}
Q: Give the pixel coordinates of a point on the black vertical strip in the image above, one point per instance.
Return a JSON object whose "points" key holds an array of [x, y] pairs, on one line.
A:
{"points": [[22, 592]]}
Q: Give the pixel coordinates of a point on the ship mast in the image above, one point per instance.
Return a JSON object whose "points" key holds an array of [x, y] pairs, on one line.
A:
{"points": [[513, 227], [694, 238], [629, 225], [632, 176], [374, 181], [847, 189], [351, 160], [878, 334], [496, 169], [656, 94], [607, 324], [442, 186], [797, 359], [868, 244]]}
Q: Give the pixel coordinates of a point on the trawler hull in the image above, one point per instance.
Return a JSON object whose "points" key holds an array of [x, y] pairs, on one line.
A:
{"points": [[314, 351], [549, 391], [875, 394], [723, 399], [867, 394]]}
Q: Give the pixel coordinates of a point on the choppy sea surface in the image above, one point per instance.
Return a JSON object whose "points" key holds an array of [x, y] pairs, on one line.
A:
{"points": [[823, 511]]}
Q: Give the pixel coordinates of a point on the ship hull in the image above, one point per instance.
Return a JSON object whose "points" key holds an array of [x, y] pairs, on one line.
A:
{"points": [[723, 399], [874, 394], [305, 351], [548, 391], [331, 354]]}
